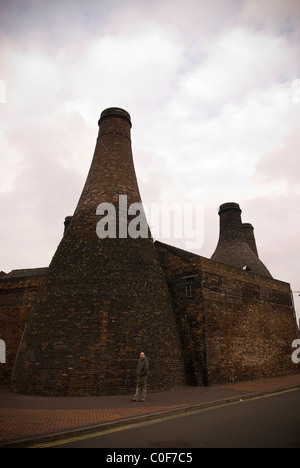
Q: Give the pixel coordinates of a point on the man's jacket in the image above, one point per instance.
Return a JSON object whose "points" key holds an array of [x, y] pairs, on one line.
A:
{"points": [[142, 368]]}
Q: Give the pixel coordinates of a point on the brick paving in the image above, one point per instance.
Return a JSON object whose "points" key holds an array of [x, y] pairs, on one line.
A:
{"points": [[29, 417]]}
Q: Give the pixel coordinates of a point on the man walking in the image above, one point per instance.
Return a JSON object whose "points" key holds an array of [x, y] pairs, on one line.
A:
{"points": [[142, 370]]}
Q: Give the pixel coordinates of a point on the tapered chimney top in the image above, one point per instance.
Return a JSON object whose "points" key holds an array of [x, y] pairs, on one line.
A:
{"points": [[229, 206], [115, 111], [249, 236], [237, 246], [67, 221]]}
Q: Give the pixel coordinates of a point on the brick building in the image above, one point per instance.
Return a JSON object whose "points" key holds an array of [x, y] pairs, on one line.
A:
{"points": [[18, 290], [76, 327]]}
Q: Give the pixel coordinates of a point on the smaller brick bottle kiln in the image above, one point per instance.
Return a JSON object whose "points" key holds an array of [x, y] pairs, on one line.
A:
{"points": [[237, 246]]}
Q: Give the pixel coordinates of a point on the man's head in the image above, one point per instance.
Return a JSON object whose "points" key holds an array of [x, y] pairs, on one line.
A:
{"points": [[142, 355]]}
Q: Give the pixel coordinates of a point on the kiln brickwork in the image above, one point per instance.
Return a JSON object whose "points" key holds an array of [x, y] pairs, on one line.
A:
{"points": [[102, 301], [78, 327], [235, 325], [248, 230], [18, 290], [237, 246]]}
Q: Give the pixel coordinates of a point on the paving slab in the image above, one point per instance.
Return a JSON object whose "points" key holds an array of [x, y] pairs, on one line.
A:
{"points": [[26, 419]]}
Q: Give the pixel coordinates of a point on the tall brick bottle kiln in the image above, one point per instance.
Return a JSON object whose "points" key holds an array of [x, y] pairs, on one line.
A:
{"points": [[103, 301]]}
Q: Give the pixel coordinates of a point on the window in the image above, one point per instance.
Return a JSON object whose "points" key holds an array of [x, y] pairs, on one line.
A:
{"points": [[190, 286]]}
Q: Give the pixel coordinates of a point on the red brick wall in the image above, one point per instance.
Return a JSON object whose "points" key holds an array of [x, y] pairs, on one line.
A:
{"points": [[189, 312], [250, 324], [16, 297], [238, 325]]}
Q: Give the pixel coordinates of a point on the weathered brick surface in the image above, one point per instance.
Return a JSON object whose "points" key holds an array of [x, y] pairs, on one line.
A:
{"points": [[237, 326], [236, 246], [103, 301], [16, 297], [248, 230], [250, 325], [178, 265]]}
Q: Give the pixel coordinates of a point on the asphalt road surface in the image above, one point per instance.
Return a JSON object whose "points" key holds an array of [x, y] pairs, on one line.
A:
{"points": [[271, 421]]}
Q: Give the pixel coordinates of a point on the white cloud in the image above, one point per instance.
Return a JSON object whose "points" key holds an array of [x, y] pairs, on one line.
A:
{"points": [[280, 16], [213, 91], [217, 157], [45, 184], [32, 80], [2, 92], [239, 61], [282, 164], [123, 69]]}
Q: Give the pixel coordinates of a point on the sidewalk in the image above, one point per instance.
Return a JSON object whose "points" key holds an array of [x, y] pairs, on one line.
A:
{"points": [[26, 419]]}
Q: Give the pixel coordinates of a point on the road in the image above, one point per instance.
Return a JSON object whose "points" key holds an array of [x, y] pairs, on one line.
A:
{"points": [[271, 421]]}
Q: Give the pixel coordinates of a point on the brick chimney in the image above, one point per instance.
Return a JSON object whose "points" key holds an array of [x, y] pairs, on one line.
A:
{"points": [[67, 221], [234, 247], [249, 236], [104, 300]]}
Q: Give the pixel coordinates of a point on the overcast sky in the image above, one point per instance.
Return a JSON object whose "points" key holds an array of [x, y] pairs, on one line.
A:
{"points": [[213, 90]]}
